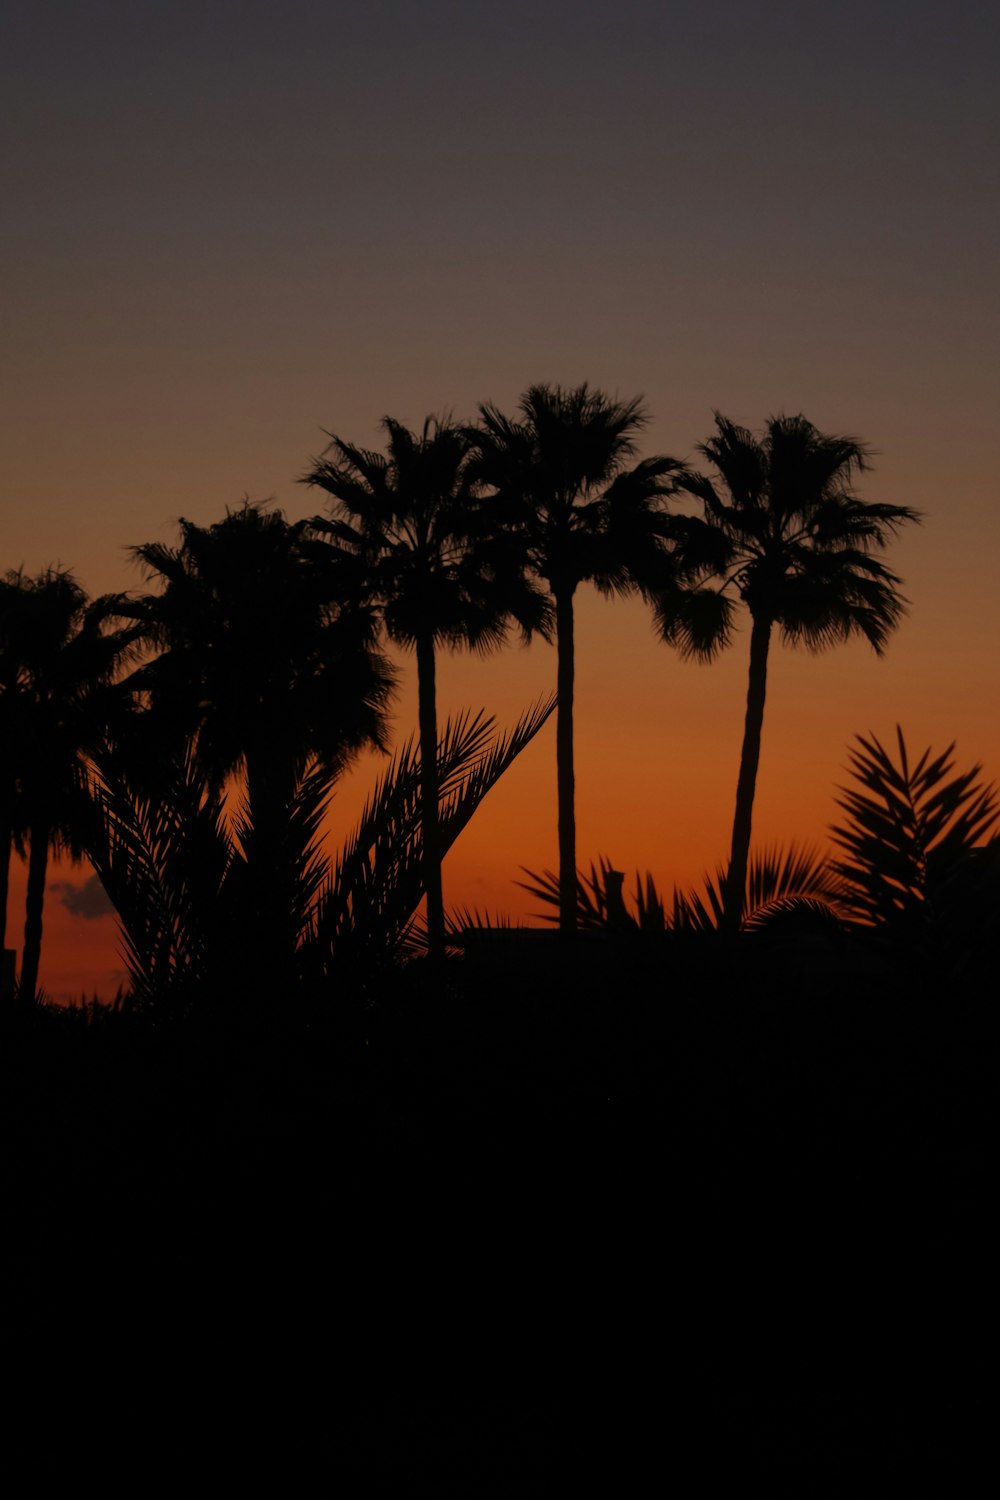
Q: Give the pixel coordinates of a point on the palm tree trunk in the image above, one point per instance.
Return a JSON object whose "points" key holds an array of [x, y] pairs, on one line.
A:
{"points": [[429, 793], [739, 856], [6, 847], [270, 937], [565, 776], [38, 861]]}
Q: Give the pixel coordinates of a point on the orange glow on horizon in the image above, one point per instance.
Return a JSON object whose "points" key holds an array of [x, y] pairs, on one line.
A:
{"points": [[657, 746]]}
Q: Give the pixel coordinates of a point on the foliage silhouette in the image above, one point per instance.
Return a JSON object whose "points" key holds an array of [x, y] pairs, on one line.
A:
{"points": [[267, 668], [176, 868], [797, 547], [598, 901], [784, 887], [564, 488], [376, 885], [409, 518], [917, 861], [160, 846], [59, 664]]}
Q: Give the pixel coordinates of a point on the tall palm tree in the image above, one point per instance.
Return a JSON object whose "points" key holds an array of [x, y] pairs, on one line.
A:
{"points": [[566, 489], [267, 667], [411, 517], [59, 662], [797, 549]]}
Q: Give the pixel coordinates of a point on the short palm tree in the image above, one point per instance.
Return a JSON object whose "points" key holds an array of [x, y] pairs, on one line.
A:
{"points": [[912, 839], [411, 517], [566, 489], [798, 548], [59, 665], [267, 668]]}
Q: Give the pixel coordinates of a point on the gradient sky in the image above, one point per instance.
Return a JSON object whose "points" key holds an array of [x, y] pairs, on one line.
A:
{"points": [[229, 226]]}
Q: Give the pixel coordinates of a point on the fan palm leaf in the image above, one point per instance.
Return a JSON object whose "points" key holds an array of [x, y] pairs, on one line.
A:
{"points": [[783, 884]]}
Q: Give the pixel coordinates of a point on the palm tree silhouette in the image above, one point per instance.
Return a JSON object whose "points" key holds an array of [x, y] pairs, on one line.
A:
{"points": [[797, 547], [266, 666], [412, 517], [912, 839], [564, 488], [59, 665], [10, 656]]}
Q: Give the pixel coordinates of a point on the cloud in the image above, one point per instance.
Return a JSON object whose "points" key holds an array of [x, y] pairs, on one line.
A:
{"points": [[88, 900]]}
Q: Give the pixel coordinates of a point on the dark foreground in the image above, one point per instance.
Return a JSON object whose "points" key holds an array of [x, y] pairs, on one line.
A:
{"points": [[663, 1215]]}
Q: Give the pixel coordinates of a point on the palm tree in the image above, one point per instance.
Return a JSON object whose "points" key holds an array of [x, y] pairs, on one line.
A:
{"points": [[913, 842], [412, 518], [797, 547], [58, 667], [268, 669], [564, 487]]}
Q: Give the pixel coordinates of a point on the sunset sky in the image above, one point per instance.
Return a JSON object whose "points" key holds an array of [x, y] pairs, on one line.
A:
{"points": [[229, 226]]}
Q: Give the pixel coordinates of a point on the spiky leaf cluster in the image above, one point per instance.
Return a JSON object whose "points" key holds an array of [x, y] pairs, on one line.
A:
{"points": [[912, 834], [376, 884]]}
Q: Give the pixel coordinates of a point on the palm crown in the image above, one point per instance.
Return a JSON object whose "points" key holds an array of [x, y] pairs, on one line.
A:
{"points": [[259, 644], [563, 480], [267, 667], [412, 515], [791, 538], [59, 698]]}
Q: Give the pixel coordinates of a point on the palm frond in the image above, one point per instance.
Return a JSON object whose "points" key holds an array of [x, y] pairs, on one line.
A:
{"points": [[167, 864], [600, 902], [459, 921], [650, 912], [699, 910], [793, 883], [370, 900], [462, 794], [908, 830], [590, 900], [462, 919]]}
